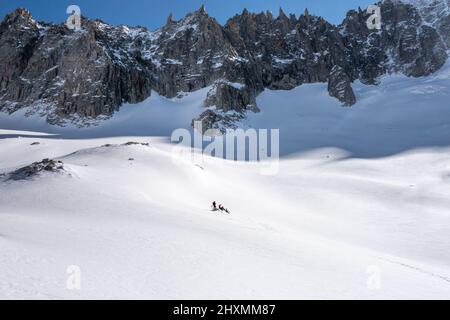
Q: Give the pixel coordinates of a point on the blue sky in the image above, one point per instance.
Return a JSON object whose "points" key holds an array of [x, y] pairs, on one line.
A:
{"points": [[153, 13]]}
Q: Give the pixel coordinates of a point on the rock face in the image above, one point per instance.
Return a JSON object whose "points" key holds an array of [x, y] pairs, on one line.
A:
{"points": [[435, 13], [339, 86], [79, 75], [228, 96], [67, 72], [405, 43]]}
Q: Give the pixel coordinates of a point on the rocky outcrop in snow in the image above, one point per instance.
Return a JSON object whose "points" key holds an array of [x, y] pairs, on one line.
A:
{"points": [[92, 72], [46, 165], [227, 96], [339, 86]]}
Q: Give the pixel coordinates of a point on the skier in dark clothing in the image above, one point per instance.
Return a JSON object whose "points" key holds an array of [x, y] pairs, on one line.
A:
{"points": [[223, 209], [214, 207]]}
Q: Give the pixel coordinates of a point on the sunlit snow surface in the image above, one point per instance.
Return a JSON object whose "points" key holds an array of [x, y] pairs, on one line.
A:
{"points": [[359, 209]]}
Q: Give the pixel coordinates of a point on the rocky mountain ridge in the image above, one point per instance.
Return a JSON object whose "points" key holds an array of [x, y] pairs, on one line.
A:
{"points": [[81, 75]]}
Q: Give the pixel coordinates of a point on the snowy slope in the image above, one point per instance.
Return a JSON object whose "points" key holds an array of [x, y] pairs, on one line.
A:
{"points": [[156, 116], [360, 189]]}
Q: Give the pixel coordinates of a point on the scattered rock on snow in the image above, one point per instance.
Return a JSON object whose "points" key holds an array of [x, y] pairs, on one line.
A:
{"points": [[132, 143]]}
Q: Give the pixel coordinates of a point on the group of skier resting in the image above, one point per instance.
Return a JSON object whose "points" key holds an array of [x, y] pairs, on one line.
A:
{"points": [[220, 207]]}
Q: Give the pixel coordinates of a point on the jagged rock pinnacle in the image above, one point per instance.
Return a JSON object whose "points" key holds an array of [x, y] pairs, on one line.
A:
{"points": [[19, 13], [23, 12], [169, 19]]}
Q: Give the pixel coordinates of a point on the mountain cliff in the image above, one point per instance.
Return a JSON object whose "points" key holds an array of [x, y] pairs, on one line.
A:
{"points": [[79, 75]]}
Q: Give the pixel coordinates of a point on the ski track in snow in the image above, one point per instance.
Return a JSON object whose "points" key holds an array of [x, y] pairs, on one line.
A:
{"points": [[419, 269], [357, 187]]}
